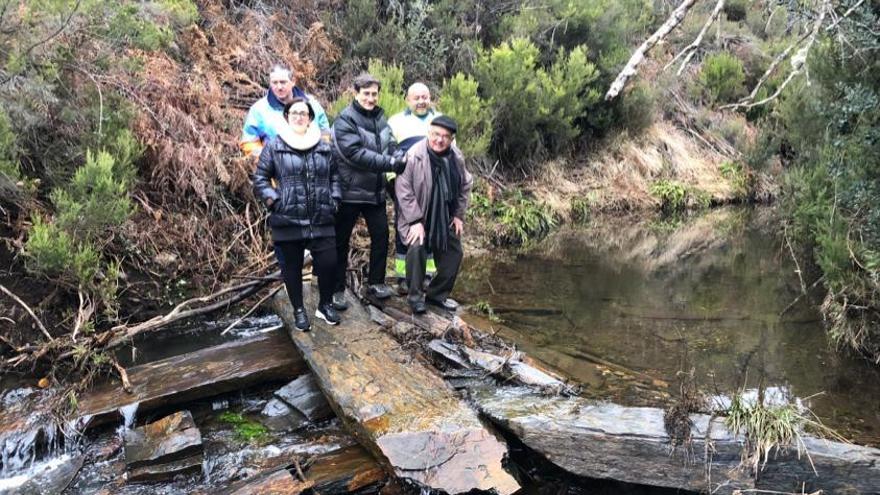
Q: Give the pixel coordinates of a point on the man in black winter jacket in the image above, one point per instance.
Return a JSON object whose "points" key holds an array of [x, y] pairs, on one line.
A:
{"points": [[367, 150]]}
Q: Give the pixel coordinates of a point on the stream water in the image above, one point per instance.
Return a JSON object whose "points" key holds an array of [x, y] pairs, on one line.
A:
{"points": [[625, 305]]}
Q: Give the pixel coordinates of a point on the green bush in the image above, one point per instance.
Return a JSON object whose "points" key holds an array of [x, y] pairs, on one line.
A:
{"points": [[8, 150], [672, 195], [521, 220], [96, 198], [736, 10], [721, 78], [52, 252], [391, 76], [534, 109], [459, 100]]}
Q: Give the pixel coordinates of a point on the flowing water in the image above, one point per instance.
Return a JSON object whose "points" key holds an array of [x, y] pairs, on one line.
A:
{"points": [[624, 305]]}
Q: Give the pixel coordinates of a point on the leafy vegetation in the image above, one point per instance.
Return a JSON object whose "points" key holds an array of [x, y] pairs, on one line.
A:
{"points": [[722, 78], [246, 430]]}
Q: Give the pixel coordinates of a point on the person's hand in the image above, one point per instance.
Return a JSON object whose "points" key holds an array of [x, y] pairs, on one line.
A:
{"points": [[416, 235], [457, 226], [269, 203], [398, 161], [399, 164]]}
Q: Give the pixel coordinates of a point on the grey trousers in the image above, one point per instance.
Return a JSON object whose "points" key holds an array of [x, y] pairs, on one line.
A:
{"points": [[448, 264]]}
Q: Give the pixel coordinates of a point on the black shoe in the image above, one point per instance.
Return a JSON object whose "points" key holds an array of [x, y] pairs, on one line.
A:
{"points": [[301, 319], [447, 304], [379, 291], [418, 307], [339, 302], [327, 313]]}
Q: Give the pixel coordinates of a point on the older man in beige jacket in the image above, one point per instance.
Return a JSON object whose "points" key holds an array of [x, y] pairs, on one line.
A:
{"points": [[432, 195]]}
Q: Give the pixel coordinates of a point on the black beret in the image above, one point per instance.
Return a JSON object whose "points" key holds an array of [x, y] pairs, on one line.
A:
{"points": [[446, 123]]}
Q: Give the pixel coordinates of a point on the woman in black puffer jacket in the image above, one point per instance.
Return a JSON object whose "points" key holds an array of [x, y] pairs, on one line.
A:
{"points": [[302, 204]]}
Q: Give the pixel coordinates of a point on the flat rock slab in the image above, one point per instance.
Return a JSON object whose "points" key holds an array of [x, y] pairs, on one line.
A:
{"points": [[345, 470], [602, 440], [396, 407], [169, 439], [47, 478], [198, 374], [304, 395], [280, 482], [165, 472]]}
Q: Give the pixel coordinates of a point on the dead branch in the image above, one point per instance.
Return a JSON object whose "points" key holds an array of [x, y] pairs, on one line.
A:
{"points": [[253, 308], [798, 62], [691, 49], [29, 311], [83, 314], [122, 333], [630, 69], [123, 375]]}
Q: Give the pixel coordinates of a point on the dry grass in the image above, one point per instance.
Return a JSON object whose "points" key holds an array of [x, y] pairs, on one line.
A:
{"points": [[620, 178]]}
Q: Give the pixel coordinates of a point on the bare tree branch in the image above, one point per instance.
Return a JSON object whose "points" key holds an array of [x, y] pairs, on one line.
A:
{"points": [[691, 49], [798, 63], [630, 69], [29, 311]]}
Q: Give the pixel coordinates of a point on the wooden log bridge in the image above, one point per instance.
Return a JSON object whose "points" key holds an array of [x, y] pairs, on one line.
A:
{"points": [[402, 412]]}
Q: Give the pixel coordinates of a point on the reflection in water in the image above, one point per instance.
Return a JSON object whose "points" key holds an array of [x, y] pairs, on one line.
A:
{"points": [[656, 298]]}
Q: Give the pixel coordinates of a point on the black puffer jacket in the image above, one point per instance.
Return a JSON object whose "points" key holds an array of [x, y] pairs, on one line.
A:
{"points": [[307, 189], [366, 144]]}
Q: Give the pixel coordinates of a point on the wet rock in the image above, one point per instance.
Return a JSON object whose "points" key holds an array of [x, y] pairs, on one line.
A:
{"points": [[304, 395], [163, 449], [279, 482], [52, 476], [279, 416], [167, 471]]}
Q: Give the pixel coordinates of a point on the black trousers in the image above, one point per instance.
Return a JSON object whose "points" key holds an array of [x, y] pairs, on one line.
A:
{"points": [[324, 263], [448, 264], [377, 225]]}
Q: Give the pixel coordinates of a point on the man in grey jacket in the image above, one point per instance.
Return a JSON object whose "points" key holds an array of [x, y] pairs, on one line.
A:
{"points": [[432, 195]]}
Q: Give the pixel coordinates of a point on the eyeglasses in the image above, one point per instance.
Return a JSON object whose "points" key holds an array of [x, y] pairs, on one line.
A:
{"points": [[441, 136], [299, 114]]}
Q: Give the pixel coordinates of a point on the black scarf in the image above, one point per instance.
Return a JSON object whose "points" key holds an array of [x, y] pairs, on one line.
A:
{"points": [[444, 193]]}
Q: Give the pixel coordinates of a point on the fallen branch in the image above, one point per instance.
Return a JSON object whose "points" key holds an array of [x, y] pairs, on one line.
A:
{"points": [[123, 333], [630, 69], [253, 308], [29, 311]]}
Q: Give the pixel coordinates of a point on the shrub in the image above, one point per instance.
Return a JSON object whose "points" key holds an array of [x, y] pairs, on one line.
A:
{"points": [[95, 200], [522, 220], [636, 109], [534, 109], [737, 175], [736, 10], [459, 100], [52, 252], [722, 77], [391, 76], [672, 195], [8, 150]]}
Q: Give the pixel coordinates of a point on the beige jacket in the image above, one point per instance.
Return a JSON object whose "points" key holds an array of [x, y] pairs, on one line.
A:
{"points": [[413, 187]]}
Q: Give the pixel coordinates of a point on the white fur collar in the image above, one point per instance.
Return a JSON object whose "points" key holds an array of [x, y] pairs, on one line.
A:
{"points": [[301, 142]]}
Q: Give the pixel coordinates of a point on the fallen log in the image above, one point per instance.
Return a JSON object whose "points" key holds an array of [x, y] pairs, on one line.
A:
{"points": [[195, 375], [403, 413], [601, 440]]}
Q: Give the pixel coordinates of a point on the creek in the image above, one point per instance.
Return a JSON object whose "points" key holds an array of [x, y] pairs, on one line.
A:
{"points": [[625, 305]]}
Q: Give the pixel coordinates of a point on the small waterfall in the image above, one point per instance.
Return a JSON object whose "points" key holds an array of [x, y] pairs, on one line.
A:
{"points": [[129, 415], [220, 405]]}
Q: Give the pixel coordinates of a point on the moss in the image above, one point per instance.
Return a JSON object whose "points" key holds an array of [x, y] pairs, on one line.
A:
{"points": [[246, 430]]}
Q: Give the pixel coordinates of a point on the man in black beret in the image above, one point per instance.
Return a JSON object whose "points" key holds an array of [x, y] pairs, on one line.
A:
{"points": [[433, 194]]}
